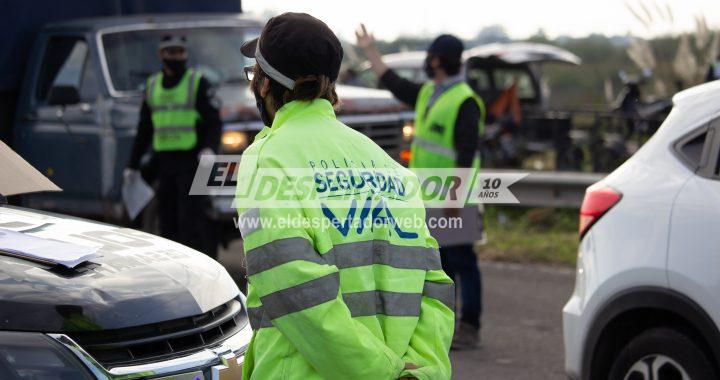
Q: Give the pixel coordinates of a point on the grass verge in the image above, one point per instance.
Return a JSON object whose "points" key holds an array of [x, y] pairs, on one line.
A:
{"points": [[539, 235]]}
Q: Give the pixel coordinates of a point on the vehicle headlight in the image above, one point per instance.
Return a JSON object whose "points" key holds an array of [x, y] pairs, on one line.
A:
{"points": [[29, 356], [408, 130], [234, 141]]}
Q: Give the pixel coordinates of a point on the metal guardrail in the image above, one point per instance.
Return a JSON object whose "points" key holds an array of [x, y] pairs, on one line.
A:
{"points": [[551, 189]]}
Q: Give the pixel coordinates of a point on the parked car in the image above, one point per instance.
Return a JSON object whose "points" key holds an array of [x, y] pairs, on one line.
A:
{"points": [[78, 111], [145, 307], [646, 303]]}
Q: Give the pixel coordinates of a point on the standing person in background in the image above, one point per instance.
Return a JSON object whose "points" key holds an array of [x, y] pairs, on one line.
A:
{"points": [[179, 117], [448, 122], [714, 70]]}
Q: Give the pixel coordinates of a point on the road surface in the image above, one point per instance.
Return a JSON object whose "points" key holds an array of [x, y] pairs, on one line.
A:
{"points": [[522, 329]]}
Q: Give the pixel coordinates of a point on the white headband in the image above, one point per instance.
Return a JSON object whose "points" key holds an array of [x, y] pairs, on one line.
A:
{"points": [[271, 71]]}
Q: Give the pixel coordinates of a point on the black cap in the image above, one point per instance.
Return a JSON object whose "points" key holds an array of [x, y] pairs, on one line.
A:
{"points": [[293, 45], [447, 46]]}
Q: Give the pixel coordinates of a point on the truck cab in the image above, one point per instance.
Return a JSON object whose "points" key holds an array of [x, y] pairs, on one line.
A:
{"points": [[79, 108]]}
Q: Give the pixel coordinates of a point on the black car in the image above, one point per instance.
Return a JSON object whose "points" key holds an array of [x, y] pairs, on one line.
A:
{"points": [[142, 307]]}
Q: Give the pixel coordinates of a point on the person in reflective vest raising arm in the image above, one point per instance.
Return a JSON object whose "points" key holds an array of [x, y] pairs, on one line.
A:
{"points": [[449, 119]]}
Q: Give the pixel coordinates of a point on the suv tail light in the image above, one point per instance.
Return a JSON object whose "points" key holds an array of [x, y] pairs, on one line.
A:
{"points": [[598, 200]]}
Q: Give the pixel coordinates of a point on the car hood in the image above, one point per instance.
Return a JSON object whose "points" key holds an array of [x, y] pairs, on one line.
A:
{"points": [[137, 279]]}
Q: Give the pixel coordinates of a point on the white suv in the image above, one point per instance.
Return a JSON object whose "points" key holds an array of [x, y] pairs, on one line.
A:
{"points": [[646, 303]]}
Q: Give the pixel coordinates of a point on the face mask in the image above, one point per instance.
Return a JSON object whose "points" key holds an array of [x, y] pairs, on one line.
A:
{"points": [[429, 71], [175, 65], [260, 103]]}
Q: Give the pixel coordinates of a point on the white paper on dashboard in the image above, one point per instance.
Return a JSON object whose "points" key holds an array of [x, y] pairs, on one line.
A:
{"points": [[45, 250], [136, 195]]}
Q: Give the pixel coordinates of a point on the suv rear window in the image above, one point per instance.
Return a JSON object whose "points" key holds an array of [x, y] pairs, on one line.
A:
{"points": [[693, 148]]}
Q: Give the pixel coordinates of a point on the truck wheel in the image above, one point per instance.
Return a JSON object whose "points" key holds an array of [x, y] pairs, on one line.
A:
{"points": [[662, 354]]}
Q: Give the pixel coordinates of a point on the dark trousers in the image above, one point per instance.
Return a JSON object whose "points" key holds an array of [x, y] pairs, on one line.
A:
{"points": [[460, 263], [182, 216]]}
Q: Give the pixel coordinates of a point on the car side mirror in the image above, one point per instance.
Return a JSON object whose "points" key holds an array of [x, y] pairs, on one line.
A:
{"points": [[63, 96]]}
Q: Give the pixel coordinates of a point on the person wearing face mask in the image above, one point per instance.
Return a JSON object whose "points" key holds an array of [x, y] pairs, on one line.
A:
{"points": [[180, 120], [449, 119], [714, 70], [326, 301]]}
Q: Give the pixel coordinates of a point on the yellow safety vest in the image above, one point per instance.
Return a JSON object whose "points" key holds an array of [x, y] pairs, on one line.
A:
{"points": [[174, 115], [433, 145]]}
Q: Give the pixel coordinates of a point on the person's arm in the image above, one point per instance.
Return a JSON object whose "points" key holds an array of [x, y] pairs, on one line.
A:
{"points": [[430, 344], [403, 89], [142, 138], [208, 106], [467, 133], [297, 291]]}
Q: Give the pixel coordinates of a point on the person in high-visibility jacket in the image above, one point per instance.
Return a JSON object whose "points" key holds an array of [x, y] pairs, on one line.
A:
{"points": [[449, 119], [330, 296], [180, 120]]}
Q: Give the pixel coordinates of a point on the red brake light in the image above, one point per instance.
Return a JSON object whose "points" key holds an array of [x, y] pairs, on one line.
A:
{"points": [[598, 200]]}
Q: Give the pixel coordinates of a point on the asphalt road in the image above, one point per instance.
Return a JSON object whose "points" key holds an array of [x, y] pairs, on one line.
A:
{"points": [[522, 322]]}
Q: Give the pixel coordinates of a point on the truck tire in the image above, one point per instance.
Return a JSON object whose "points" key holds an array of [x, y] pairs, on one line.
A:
{"points": [[662, 354]]}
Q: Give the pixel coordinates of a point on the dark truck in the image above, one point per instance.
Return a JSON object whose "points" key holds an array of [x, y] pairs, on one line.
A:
{"points": [[78, 110]]}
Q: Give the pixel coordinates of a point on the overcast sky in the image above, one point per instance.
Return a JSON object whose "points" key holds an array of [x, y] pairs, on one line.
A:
{"points": [[521, 18]]}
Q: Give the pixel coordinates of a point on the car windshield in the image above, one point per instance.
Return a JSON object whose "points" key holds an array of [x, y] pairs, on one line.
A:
{"points": [[132, 56]]}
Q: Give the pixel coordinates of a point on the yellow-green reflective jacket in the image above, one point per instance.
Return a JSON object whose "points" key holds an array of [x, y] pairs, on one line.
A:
{"points": [[433, 145], [339, 299], [174, 114]]}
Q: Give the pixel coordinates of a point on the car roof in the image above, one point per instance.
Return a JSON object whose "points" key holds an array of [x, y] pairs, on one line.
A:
{"points": [[95, 24], [523, 52], [511, 52], [696, 105]]}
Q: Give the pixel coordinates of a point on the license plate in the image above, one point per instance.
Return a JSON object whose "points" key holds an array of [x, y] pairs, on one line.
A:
{"points": [[184, 376]]}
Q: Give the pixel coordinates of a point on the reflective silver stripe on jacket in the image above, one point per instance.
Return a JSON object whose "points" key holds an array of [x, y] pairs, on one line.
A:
{"points": [[441, 291], [151, 90], [279, 252], [348, 255], [301, 297], [360, 304], [171, 129], [249, 222], [434, 147], [258, 318], [376, 302]]}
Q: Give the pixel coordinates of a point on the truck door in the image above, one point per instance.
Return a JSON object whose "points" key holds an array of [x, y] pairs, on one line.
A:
{"points": [[62, 135]]}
